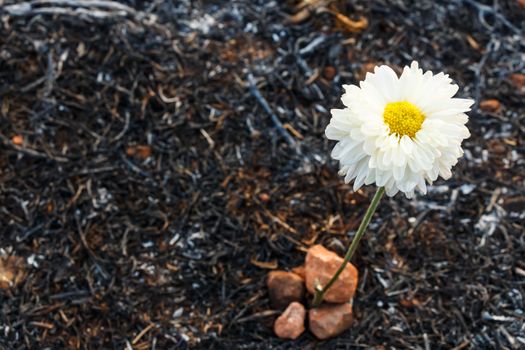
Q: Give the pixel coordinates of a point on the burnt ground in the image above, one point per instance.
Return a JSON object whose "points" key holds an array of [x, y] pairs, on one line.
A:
{"points": [[145, 192]]}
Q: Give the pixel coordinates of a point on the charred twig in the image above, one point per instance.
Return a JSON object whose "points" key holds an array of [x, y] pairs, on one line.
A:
{"points": [[484, 10], [50, 74], [480, 77], [38, 154], [264, 104], [96, 9]]}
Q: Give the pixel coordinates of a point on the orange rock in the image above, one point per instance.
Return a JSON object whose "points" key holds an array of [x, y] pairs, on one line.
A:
{"points": [[327, 321], [299, 270], [17, 140], [410, 303], [139, 151], [12, 271], [490, 105], [290, 325], [284, 287], [518, 80], [264, 197], [320, 266]]}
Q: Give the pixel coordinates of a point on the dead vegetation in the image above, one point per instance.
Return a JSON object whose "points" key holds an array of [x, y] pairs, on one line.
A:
{"points": [[156, 159]]}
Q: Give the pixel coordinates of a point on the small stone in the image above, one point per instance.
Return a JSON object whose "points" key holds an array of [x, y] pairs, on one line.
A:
{"points": [[290, 325], [490, 105], [518, 80], [408, 303], [327, 321], [284, 287], [321, 264], [299, 270], [264, 197], [139, 151], [17, 140]]}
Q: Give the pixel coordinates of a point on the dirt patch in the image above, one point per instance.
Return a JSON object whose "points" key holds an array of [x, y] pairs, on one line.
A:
{"points": [[148, 190]]}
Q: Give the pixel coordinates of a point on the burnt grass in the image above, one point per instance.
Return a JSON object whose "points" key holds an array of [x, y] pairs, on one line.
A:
{"points": [[146, 189]]}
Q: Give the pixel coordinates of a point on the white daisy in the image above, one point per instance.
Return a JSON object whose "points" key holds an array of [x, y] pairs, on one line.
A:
{"points": [[399, 132]]}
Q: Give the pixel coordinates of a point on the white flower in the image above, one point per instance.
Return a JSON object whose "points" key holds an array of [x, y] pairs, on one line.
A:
{"points": [[399, 132]]}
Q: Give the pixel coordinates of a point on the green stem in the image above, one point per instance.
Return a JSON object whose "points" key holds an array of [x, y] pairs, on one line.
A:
{"points": [[321, 291]]}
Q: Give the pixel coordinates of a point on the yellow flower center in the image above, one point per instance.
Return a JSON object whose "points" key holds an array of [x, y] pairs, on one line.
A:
{"points": [[403, 118]]}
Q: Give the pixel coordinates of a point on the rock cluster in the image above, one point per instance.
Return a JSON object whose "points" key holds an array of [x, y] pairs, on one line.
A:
{"points": [[287, 291]]}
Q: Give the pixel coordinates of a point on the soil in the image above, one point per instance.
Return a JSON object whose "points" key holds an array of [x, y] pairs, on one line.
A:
{"points": [[158, 158]]}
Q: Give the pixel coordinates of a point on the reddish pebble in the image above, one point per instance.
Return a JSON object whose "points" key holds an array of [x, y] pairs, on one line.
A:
{"points": [[264, 197], [299, 270], [327, 321], [17, 140], [290, 325], [284, 287], [518, 80], [490, 105], [139, 151], [321, 264]]}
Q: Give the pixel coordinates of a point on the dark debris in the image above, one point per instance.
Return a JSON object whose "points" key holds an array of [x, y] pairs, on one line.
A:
{"points": [[144, 185]]}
